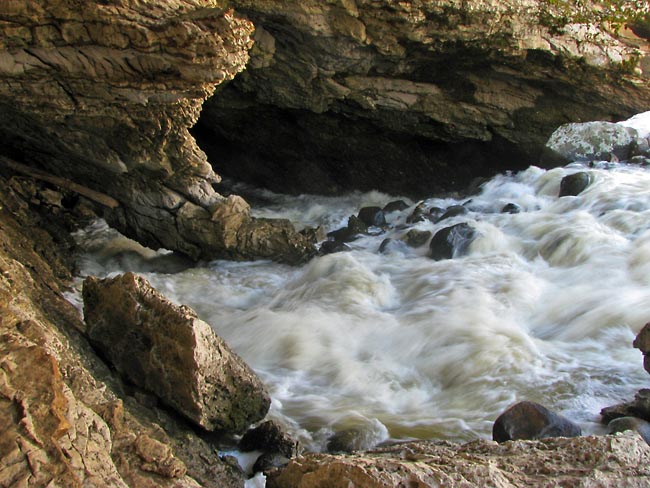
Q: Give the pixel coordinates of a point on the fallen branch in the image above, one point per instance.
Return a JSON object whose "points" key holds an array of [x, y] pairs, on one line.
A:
{"points": [[93, 195]]}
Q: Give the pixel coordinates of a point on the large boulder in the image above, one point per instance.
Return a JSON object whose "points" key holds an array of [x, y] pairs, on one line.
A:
{"points": [[530, 420], [168, 351], [589, 141]]}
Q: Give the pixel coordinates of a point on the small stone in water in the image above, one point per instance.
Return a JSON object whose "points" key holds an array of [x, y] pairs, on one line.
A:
{"points": [[574, 184], [453, 211], [511, 208]]}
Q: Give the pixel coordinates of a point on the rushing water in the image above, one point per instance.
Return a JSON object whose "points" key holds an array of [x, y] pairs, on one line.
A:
{"points": [[544, 307]]}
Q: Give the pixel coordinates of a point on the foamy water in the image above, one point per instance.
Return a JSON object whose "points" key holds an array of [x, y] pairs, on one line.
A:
{"points": [[544, 307]]}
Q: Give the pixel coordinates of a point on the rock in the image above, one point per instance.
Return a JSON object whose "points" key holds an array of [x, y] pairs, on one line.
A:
{"points": [[639, 407], [605, 461], [271, 438], [435, 213], [451, 242], [348, 440], [268, 461], [622, 424], [642, 340], [349, 233], [170, 352], [158, 458], [434, 95], [63, 422], [529, 420], [330, 247], [372, 216], [589, 141], [385, 245], [418, 214], [511, 208], [453, 211], [417, 238], [574, 184], [395, 206]]}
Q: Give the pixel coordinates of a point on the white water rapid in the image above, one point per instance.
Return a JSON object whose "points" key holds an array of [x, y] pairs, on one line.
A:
{"points": [[544, 307]]}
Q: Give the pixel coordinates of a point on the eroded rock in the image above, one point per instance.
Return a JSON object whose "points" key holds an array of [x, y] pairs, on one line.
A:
{"points": [[608, 461], [573, 185], [169, 351], [452, 242]]}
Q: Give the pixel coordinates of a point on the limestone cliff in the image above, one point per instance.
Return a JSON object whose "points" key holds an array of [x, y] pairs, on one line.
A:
{"points": [[419, 96], [103, 93]]}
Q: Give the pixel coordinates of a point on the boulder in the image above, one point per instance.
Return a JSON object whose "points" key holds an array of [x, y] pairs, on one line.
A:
{"points": [[622, 424], [167, 350], [350, 232], [330, 247], [639, 407], [372, 216], [395, 206], [574, 184], [269, 437], [453, 211], [589, 141], [451, 241], [417, 215], [530, 420], [417, 238]]}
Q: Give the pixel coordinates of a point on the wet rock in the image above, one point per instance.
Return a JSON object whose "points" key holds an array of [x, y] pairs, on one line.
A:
{"points": [[435, 213], [372, 216], [168, 351], [268, 461], [395, 206], [642, 339], [639, 407], [589, 141], [417, 215], [330, 247], [417, 238], [354, 228], [604, 461], [511, 208], [574, 184], [385, 245], [622, 424], [348, 440], [451, 241], [453, 211], [271, 438], [529, 420]]}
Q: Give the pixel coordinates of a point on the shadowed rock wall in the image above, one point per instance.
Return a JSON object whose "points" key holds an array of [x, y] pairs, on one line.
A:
{"points": [[421, 96]]}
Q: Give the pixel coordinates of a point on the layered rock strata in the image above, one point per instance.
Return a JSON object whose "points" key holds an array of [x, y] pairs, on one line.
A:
{"points": [[422, 96], [170, 352], [103, 93]]}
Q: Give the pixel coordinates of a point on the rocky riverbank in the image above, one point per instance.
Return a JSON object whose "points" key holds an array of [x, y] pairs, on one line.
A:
{"points": [[97, 99]]}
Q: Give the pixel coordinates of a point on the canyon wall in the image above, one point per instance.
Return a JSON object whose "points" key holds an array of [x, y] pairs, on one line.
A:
{"points": [[421, 96]]}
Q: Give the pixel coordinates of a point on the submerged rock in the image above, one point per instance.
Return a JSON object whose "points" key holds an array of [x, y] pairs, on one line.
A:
{"points": [[269, 437], [330, 247], [372, 216], [530, 420], [511, 208], [170, 352], [574, 184], [417, 238], [451, 241]]}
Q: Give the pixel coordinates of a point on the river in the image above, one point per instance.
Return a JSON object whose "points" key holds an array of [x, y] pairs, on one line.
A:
{"points": [[544, 307]]}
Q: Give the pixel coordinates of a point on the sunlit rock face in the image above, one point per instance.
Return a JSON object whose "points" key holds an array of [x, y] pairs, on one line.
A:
{"points": [[104, 93], [411, 97]]}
